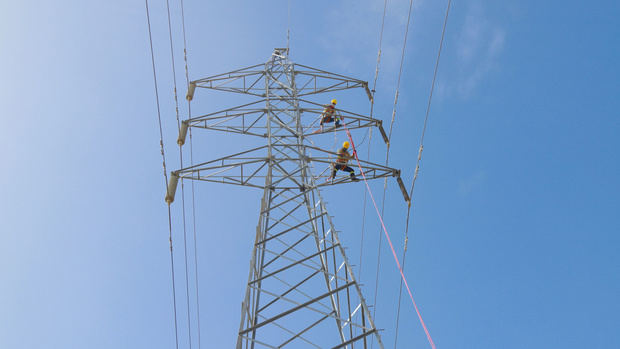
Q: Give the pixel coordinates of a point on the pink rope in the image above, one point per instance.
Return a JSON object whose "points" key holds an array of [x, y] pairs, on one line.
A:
{"points": [[400, 269]]}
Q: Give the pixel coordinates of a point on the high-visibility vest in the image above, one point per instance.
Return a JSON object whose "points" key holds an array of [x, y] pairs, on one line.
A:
{"points": [[329, 110], [343, 156]]}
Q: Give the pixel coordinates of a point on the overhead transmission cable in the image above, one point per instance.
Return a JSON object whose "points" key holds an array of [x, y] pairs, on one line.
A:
{"points": [[163, 155], [387, 153], [417, 165], [372, 104], [191, 159], [176, 102]]}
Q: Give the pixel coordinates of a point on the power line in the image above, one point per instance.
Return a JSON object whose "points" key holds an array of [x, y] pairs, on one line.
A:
{"points": [[191, 159], [163, 154], [387, 151], [191, 155], [176, 102], [417, 166], [372, 104]]}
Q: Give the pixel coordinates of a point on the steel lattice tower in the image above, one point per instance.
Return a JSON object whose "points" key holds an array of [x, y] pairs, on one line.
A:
{"points": [[301, 291]]}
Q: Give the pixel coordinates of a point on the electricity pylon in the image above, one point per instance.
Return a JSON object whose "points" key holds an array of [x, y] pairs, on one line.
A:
{"points": [[301, 290]]}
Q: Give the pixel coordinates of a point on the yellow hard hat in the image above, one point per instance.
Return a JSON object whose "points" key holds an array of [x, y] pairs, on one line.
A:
{"points": [[346, 145], [334, 101]]}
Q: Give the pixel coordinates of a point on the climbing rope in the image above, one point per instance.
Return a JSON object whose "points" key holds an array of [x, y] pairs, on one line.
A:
{"points": [[387, 236], [163, 155], [417, 165]]}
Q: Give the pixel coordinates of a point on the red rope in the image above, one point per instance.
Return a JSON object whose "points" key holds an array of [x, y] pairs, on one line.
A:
{"points": [[400, 269]]}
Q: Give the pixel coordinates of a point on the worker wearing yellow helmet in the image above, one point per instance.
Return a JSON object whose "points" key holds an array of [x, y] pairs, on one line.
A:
{"points": [[329, 113], [341, 162]]}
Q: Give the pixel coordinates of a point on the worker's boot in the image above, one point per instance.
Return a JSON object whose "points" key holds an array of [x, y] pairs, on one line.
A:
{"points": [[353, 178]]}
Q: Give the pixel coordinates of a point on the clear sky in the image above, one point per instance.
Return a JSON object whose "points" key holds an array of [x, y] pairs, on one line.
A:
{"points": [[515, 234]]}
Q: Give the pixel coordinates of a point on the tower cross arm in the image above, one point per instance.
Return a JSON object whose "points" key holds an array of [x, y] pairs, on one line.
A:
{"points": [[249, 168], [249, 119], [251, 80], [341, 82], [245, 80]]}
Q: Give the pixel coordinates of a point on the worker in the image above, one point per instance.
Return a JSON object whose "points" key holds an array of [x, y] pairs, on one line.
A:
{"points": [[341, 163], [329, 114]]}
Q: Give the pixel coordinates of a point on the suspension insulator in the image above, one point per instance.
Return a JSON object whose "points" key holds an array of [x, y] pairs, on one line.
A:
{"points": [[370, 98], [383, 134], [183, 133], [190, 91], [172, 187], [403, 190]]}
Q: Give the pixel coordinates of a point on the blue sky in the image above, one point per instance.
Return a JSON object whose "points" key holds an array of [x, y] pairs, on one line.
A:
{"points": [[515, 227]]}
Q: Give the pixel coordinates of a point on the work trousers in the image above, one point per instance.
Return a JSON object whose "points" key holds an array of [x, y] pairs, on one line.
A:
{"points": [[342, 167]]}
